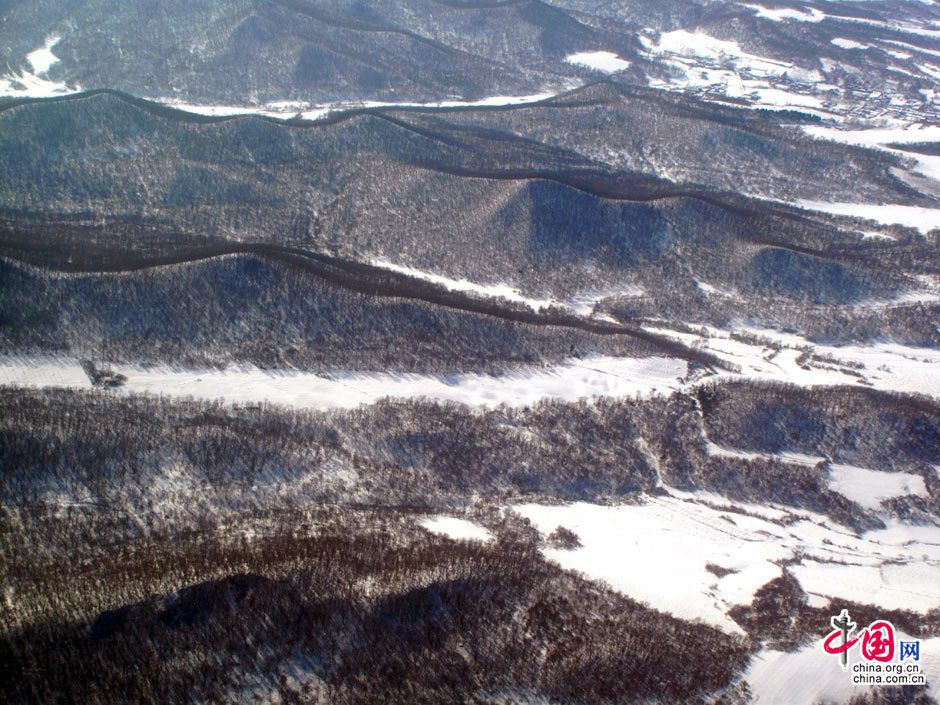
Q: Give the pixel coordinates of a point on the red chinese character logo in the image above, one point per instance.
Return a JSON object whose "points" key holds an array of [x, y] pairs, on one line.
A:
{"points": [[878, 642], [844, 646]]}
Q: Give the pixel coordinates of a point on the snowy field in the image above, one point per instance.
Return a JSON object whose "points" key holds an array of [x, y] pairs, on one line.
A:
{"points": [[659, 553], [923, 219], [924, 165], [884, 366], [787, 14], [31, 81], [869, 487], [808, 675], [571, 380], [455, 528], [604, 61]]}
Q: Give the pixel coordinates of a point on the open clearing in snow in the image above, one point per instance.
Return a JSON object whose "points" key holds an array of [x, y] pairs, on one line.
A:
{"points": [[659, 552], [505, 291], [722, 66], [923, 219], [455, 528], [42, 59], [605, 61], [790, 358], [788, 13], [869, 488], [571, 380], [31, 82]]}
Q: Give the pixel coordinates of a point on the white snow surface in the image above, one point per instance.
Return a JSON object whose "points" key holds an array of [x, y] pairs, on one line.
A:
{"points": [[907, 586], [571, 380], [31, 82], [582, 304], [886, 366], [785, 99], [877, 136], [844, 43], [787, 13], [708, 289], [657, 552], [605, 61], [456, 528], [923, 219], [786, 457], [869, 487], [42, 58], [285, 110], [682, 44], [505, 291], [43, 371], [808, 675]]}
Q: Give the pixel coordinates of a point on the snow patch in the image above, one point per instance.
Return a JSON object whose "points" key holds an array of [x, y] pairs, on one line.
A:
{"points": [[807, 675], [844, 43], [879, 136], [894, 586], [786, 99], [869, 487], [42, 59], [684, 44], [918, 217], [912, 47], [285, 110], [801, 75], [605, 61], [582, 304], [43, 371], [885, 366], [707, 289], [723, 66], [657, 553], [30, 83], [787, 13], [457, 529], [571, 380], [900, 55], [505, 291], [786, 457]]}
